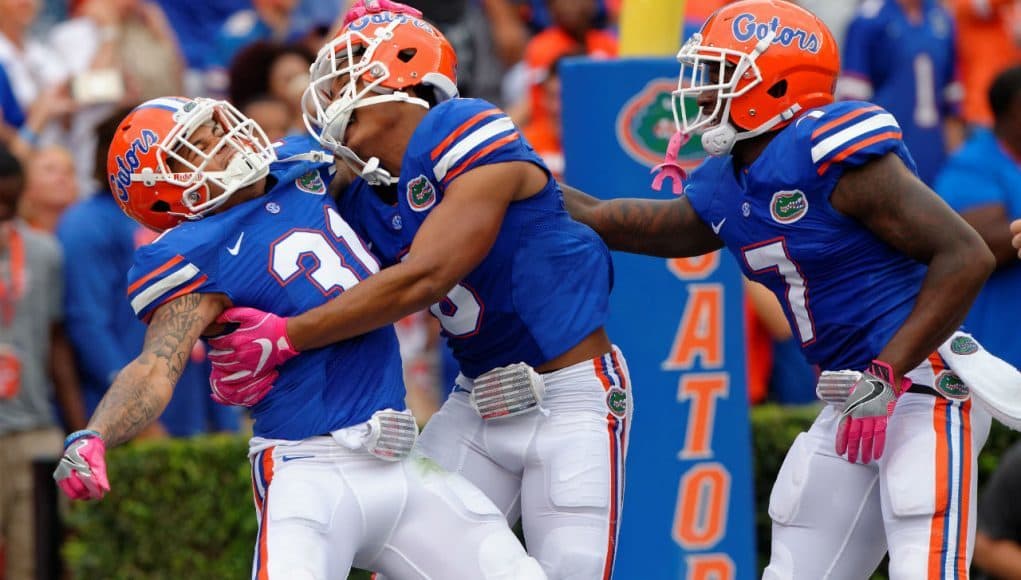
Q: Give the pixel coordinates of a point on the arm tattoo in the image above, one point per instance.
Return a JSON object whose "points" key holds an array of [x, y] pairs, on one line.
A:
{"points": [[142, 390], [670, 229]]}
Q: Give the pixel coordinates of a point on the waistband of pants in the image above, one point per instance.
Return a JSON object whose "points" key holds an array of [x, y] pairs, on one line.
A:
{"points": [[464, 384]]}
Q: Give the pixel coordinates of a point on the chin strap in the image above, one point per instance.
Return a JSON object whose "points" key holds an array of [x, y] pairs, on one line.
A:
{"points": [[670, 168]]}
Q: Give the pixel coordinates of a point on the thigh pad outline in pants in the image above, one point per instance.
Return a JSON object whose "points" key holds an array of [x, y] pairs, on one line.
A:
{"points": [[299, 538], [568, 511], [450, 529], [827, 519], [455, 439]]}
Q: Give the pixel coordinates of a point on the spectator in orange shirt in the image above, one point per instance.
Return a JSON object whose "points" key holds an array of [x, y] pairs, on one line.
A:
{"points": [[987, 43], [573, 32], [543, 132]]}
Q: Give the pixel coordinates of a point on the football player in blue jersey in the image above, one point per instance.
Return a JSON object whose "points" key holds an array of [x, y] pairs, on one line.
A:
{"points": [[819, 201], [539, 418], [901, 55], [333, 473]]}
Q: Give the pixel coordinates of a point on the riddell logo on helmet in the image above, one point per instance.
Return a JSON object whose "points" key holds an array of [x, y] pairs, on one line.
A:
{"points": [[386, 18], [127, 164], [747, 26]]}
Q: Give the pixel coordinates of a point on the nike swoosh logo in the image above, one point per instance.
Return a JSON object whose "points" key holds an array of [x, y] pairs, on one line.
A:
{"points": [[287, 458], [877, 390], [233, 251], [719, 226], [267, 348]]}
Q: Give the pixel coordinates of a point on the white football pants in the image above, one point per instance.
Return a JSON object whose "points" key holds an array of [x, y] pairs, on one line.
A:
{"points": [[561, 469], [323, 507], [834, 520]]}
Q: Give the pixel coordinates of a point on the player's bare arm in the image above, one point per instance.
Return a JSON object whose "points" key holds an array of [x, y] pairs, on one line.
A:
{"points": [[993, 224], [902, 211], [452, 241], [143, 388], [670, 229]]}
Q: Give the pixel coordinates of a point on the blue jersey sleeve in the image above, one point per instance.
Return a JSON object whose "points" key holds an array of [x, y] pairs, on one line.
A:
{"points": [[851, 134], [467, 133], [184, 260]]}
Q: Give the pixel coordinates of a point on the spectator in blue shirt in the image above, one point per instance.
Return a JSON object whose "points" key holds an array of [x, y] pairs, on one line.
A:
{"points": [[982, 182], [99, 242], [900, 55]]}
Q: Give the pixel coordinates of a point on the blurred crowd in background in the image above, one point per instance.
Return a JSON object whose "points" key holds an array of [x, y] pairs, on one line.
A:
{"points": [[71, 69]]}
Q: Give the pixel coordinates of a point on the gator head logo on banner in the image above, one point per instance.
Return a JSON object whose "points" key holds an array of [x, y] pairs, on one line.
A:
{"points": [[645, 125]]}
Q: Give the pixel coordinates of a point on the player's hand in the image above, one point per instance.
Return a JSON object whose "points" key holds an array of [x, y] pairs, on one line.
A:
{"points": [[1015, 228], [869, 406], [81, 473], [364, 7], [245, 359]]}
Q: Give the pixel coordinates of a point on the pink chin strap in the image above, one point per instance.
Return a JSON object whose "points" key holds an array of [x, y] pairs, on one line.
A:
{"points": [[670, 168]]}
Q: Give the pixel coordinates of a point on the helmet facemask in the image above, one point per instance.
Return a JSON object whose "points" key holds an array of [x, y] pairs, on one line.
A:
{"points": [[250, 161], [327, 112], [736, 74]]}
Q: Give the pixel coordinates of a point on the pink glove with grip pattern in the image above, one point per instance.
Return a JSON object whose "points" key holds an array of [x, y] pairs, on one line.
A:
{"points": [[365, 7], [245, 360], [867, 411], [81, 473]]}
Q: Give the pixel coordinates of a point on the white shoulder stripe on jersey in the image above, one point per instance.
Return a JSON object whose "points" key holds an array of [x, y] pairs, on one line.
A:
{"points": [[156, 291], [471, 141], [846, 136]]}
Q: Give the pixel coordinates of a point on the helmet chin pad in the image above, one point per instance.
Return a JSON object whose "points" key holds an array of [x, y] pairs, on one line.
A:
{"points": [[719, 140]]}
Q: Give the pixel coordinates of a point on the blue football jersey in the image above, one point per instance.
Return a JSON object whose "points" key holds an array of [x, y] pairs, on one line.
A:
{"points": [[285, 252], [910, 69], [545, 284], [844, 291]]}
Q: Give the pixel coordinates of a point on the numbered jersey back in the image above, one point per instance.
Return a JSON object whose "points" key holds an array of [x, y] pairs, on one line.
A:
{"points": [[844, 291], [545, 284], [285, 252]]}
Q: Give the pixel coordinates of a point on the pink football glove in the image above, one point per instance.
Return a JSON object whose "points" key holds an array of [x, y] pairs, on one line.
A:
{"points": [[868, 408], [364, 7], [245, 360], [81, 473]]}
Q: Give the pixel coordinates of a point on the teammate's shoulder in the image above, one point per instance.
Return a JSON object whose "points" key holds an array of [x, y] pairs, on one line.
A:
{"points": [[462, 133], [843, 131], [193, 238], [297, 144], [451, 119], [301, 155]]}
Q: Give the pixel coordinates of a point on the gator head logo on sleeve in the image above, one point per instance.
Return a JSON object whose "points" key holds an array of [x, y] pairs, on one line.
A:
{"points": [[963, 345], [421, 193], [645, 125], [788, 207], [311, 182]]}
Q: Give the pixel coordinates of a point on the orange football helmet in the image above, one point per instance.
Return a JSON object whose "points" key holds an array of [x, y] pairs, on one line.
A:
{"points": [[156, 133], [381, 54], [766, 61]]}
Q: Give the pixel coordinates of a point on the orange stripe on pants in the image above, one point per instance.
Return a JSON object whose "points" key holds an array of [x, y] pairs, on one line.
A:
{"points": [[267, 470], [936, 539], [962, 539]]}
